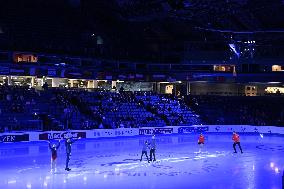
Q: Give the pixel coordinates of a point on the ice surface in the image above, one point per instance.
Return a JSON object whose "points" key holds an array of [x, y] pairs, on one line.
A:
{"points": [[114, 163]]}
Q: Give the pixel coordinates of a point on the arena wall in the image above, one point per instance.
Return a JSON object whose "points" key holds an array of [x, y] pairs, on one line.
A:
{"points": [[128, 132]]}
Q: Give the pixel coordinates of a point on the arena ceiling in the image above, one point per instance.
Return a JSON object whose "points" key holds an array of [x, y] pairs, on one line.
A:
{"points": [[218, 14], [138, 26]]}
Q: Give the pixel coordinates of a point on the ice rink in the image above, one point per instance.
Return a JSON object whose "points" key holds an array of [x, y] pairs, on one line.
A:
{"points": [[114, 163]]}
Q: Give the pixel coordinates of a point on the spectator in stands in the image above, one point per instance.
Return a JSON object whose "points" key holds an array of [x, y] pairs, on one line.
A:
{"points": [[45, 86], [101, 126], [121, 89], [67, 117], [33, 102], [22, 98], [9, 97], [121, 125]]}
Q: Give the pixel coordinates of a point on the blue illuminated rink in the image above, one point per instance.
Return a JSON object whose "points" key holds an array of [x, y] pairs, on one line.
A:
{"points": [[114, 163]]}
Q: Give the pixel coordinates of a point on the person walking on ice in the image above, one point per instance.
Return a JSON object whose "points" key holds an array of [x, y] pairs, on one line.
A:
{"points": [[144, 150], [68, 144], [153, 149], [53, 149], [236, 139]]}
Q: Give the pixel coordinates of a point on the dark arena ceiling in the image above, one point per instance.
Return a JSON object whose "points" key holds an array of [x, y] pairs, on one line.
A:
{"points": [[146, 30]]}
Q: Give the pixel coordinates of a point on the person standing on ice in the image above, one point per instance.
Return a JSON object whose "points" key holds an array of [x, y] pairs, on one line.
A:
{"points": [[68, 144], [201, 141], [236, 139], [144, 150], [153, 149], [53, 149]]}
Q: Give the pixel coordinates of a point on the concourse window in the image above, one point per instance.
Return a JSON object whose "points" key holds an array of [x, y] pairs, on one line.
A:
{"points": [[277, 68], [274, 90], [25, 58], [223, 68]]}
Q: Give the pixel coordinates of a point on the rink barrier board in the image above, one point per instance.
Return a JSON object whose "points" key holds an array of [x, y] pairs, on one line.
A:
{"points": [[145, 131]]}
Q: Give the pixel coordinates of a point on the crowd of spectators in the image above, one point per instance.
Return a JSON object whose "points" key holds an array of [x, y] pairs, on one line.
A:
{"points": [[170, 108], [110, 109], [267, 110], [15, 105], [61, 109]]}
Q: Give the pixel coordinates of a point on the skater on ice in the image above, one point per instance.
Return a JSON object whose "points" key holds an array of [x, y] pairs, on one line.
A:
{"points": [[53, 149], [201, 141], [68, 144], [144, 150], [236, 139], [153, 149]]}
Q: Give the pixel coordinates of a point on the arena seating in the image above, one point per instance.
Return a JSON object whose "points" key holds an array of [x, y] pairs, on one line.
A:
{"points": [[172, 110], [261, 110], [24, 108], [16, 105], [115, 110]]}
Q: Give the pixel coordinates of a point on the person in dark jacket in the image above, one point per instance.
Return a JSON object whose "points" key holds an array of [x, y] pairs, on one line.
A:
{"points": [[144, 150], [68, 144], [153, 149]]}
